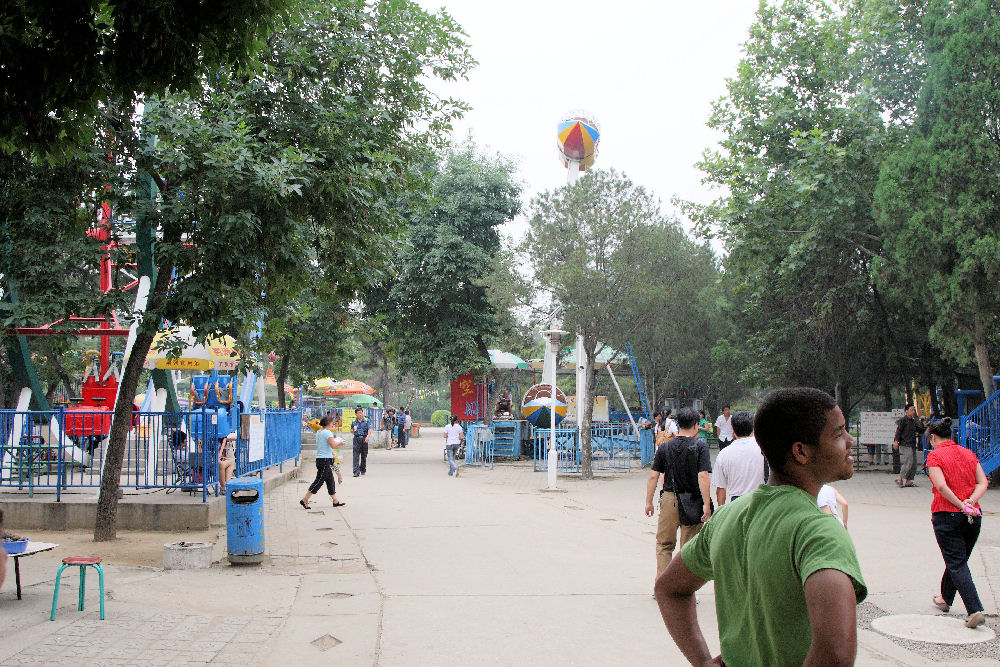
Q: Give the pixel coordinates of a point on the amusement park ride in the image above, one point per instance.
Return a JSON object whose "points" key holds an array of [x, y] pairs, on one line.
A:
{"points": [[87, 423]]}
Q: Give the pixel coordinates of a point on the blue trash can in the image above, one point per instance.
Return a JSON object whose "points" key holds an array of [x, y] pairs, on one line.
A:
{"points": [[245, 520]]}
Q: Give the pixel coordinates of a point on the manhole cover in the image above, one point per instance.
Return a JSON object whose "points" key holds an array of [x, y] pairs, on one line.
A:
{"points": [[335, 596], [932, 629], [326, 642]]}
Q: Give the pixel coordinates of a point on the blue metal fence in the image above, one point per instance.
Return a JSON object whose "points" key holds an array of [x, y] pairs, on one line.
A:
{"points": [[480, 445], [60, 449], [613, 447]]}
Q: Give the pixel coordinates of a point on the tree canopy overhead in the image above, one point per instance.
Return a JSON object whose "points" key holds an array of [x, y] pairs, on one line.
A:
{"points": [[63, 61]]}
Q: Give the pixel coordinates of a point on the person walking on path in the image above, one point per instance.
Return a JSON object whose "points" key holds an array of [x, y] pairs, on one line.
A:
{"points": [[403, 422], [724, 428], [685, 464], [740, 468], [453, 436], [361, 430], [959, 482], [832, 502], [704, 426], [325, 444], [908, 430], [787, 578]]}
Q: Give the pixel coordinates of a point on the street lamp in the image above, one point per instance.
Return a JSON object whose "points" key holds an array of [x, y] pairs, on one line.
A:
{"points": [[552, 337]]}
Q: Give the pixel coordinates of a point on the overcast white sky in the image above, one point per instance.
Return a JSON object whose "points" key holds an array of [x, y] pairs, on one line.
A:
{"points": [[647, 70]]}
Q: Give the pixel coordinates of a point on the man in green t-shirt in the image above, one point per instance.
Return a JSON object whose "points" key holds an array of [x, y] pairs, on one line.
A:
{"points": [[787, 579]]}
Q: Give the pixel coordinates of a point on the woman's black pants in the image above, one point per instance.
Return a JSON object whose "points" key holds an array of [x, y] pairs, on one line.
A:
{"points": [[956, 536], [324, 473]]}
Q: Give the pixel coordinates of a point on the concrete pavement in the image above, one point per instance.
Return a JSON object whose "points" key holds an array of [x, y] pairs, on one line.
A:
{"points": [[423, 569]]}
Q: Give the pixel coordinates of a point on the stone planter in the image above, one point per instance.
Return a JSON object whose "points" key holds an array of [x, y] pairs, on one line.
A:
{"points": [[187, 555]]}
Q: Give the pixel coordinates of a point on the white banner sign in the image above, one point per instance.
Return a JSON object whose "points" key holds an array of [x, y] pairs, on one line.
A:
{"points": [[256, 439], [879, 428]]}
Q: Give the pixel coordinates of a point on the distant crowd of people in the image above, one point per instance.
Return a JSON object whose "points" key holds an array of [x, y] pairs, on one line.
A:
{"points": [[787, 577]]}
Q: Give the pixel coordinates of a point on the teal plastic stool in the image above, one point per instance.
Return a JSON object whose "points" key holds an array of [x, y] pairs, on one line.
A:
{"points": [[83, 562]]}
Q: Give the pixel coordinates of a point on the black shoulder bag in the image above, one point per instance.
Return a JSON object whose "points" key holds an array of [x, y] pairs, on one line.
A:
{"points": [[690, 506]]}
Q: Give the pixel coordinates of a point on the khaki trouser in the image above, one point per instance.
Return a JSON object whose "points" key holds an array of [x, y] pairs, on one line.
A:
{"points": [[666, 531]]}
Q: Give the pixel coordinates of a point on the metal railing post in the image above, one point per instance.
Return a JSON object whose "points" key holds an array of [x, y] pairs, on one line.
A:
{"points": [[59, 465]]}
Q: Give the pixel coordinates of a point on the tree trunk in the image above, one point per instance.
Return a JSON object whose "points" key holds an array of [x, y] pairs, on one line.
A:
{"points": [[587, 415], [982, 355], [286, 358], [105, 527]]}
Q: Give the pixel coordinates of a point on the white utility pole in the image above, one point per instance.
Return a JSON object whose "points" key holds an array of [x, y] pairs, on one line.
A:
{"points": [[552, 338]]}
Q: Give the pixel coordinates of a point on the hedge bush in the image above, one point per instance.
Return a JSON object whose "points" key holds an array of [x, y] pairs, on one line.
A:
{"points": [[440, 418]]}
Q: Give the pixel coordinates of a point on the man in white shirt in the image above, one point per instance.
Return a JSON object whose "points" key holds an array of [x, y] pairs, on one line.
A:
{"points": [[740, 468], [724, 428]]}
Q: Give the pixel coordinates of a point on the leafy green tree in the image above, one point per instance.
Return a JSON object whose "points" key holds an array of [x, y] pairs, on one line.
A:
{"points": [[444, 316], [938, 195], [805, 133], [258, 175], [588, 246], [64, 61], [678, 308]]}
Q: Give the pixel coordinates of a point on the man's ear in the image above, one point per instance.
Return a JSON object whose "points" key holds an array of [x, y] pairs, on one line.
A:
{"points": [[800, 453]]}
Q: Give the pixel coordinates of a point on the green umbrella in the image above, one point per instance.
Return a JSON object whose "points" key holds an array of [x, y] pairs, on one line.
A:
{"points": [[360, 401]]}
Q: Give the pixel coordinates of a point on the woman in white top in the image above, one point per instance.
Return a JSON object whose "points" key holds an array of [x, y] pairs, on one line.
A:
{"points": [[831, 502], [453, 436]]}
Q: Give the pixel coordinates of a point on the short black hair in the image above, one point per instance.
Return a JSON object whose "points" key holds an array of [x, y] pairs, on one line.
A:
{"points": [[657, 414], [666, 413], [908, 406], [742, 423], [686, 418], [727, 406], [787, 416], [357, 410], [325, 420], [701, 413], [941, 428]]}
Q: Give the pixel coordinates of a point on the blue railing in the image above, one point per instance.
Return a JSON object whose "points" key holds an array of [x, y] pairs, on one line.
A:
{"points": [[980, 432], [613, 447], [480, 444], [61, 449], [647, 446]]}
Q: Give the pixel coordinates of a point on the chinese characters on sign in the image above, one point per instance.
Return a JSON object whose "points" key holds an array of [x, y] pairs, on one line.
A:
{"points": [[465, 398]]}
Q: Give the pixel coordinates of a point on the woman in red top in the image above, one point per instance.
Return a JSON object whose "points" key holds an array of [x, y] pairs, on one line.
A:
{"points": [[959, 482]]}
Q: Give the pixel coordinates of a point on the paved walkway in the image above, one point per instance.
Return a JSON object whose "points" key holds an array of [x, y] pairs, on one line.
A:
{"points": [[422, 569]]}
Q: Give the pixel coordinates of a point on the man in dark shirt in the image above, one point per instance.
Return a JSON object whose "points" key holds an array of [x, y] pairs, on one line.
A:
{"points": [[684, 460], [360, 429], [908, 430]]}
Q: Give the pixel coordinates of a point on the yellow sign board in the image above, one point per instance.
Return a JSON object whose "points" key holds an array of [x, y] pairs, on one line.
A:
{"points": [[181, 364]]}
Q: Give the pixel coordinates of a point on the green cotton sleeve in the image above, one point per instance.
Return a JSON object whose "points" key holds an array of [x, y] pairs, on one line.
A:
{"points": [[823, 544], [697, 553]]}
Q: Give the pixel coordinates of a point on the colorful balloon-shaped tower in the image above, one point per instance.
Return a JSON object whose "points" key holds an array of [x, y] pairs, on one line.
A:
{"points": [[577, 138]]}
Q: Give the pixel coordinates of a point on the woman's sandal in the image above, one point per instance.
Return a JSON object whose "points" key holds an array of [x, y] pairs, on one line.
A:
{"points": [[939, 602], [975, 619], [339, 504], [303, 503]]}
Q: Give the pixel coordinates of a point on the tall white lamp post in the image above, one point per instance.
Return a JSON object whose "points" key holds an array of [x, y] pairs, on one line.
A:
{"points": [[552, 337]]}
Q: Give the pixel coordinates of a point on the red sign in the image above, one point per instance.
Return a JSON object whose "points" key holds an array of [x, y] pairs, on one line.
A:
{"points": [[465, 398]]}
